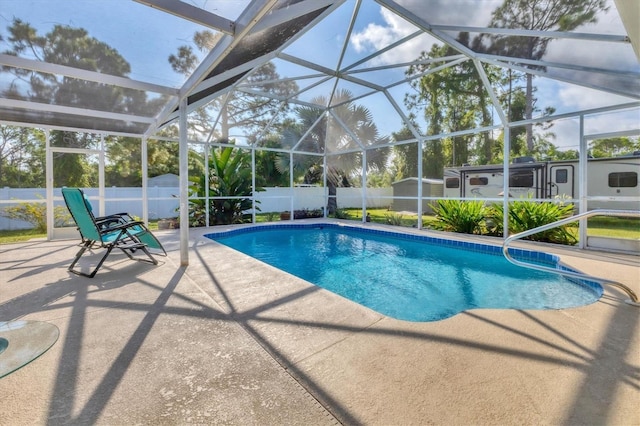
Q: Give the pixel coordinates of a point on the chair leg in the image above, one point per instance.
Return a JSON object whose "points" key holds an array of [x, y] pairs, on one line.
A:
{"points": [[139, 246], [82, 250], [153, 260], [126, 248], [85, 246]]}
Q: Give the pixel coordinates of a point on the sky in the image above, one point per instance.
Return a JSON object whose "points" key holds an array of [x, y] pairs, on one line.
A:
{"points": [[146, 37], [381, 27], [564, 96]]}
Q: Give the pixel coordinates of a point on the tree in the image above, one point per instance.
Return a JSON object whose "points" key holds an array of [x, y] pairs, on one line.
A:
{"points": [[613, 147], [21, 157], [163, 158], [452, 100], [229, 176], [537, 15], [237, 110], [65, 45], [325, 134], [515, 103], [267, 172], [405, 156], [124, 160]]}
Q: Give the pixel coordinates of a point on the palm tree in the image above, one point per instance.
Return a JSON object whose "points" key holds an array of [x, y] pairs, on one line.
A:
{"points": [[341, 127], [229, 176]]}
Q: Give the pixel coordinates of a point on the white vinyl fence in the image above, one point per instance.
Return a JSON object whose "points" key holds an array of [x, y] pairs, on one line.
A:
{"points": [[163, 201]]}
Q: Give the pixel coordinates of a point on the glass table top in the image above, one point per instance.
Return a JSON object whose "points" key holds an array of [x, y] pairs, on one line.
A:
{"points": [[23, 341]]}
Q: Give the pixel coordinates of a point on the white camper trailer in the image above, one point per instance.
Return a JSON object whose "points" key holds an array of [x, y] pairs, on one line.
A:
{"points": [[606, 178]]}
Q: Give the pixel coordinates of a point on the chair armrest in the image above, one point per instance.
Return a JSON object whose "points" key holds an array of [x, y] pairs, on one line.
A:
{"points": [[114, 217], [121, 226], [109, 221]]}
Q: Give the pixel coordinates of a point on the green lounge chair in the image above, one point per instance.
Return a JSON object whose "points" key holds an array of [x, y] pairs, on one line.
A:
{"points": [[119, 218], [117, 231]]}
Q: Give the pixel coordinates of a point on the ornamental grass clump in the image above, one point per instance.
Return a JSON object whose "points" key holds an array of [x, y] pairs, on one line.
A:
{"points": [[393, 219], [465, 217], [525, 215]]}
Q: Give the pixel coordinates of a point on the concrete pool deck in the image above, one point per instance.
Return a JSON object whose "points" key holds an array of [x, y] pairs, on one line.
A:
{"points": [[231, 340]]}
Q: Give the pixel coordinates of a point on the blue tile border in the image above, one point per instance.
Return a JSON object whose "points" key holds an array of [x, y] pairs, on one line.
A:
{"points": [[465, 245], [536, 257]]}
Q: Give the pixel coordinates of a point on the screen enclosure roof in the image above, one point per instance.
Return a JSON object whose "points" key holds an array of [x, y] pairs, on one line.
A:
{"points": [[123, 66]]}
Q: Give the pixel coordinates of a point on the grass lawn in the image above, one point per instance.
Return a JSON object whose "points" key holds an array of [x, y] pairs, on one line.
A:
{"points": [[614, 227], [390, 217], [598, 226], [15, 236]]}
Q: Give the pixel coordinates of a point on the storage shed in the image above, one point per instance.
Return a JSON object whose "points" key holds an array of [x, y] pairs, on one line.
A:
{"points": [[168, 180], [409, 188]]}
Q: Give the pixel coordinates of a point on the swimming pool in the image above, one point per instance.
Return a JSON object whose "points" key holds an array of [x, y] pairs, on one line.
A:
{"points": [[407, 276]]}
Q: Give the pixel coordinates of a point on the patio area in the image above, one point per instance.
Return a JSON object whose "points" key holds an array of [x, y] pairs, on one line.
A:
{"points": [[230, 340]]}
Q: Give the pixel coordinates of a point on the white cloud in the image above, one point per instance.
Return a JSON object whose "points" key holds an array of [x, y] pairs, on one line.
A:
{"points": [[378, 36], [567, 131], [567, 134], [619, 121], [563, 96], [581, 98], [470, 13], [605, 55], [375, 37]]}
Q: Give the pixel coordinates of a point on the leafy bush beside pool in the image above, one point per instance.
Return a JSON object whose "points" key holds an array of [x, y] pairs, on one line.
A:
{"points": [[613, 227], [466, 217], [473, 217], [525, 215]]}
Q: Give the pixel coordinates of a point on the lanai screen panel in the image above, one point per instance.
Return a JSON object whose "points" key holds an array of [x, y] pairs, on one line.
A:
{"points": [[79, 63], [259, 43], [581, 42], [120, 77]]}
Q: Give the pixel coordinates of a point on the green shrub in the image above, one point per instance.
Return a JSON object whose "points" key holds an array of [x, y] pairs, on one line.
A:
{"points": [[36, 214], [229, 176], [525, 215], [466, 217], [307, 213], [341, 214], [394, 219]]}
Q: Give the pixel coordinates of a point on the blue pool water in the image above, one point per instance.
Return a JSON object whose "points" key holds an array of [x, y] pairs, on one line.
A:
{"points": [[409, 277]]}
